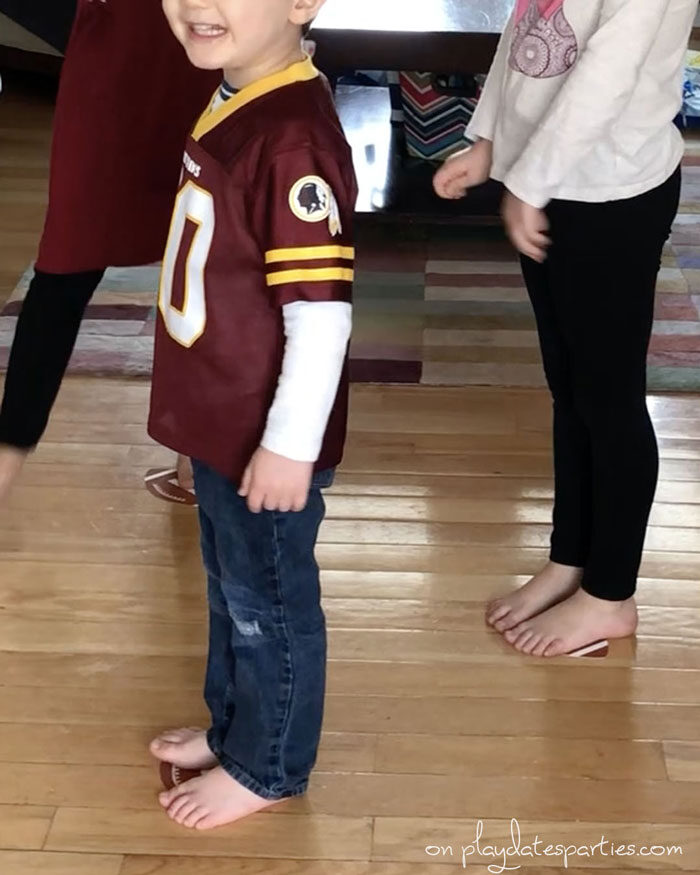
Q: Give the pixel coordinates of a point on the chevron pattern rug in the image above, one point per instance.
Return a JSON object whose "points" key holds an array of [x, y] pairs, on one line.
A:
{"points": [[434, 122]]}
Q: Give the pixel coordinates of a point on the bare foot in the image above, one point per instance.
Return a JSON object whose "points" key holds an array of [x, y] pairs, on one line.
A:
{"points": [[552, 585], [185, 477], [577, 622], [11, 463], [186, 748], [213, 800]]}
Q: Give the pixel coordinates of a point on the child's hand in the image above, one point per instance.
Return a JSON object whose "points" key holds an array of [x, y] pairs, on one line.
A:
{"points": [[464, 170], [527, 227], [273, 482]]}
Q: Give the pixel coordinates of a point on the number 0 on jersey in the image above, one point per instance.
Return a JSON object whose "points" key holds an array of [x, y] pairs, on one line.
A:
{"points": [[187, 325]]}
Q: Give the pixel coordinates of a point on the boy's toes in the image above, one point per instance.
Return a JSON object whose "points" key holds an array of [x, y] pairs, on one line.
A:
{"points": [[185, 813], [194, 817], [207, 822], [179, 807], [167, 797], [160, 746]]}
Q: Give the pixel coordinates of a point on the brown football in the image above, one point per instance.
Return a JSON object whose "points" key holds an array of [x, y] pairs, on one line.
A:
{"points": [[162, 483], [597, 650], [174, 776]]}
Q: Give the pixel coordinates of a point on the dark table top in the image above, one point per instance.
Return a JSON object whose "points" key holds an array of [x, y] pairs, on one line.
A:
{"points": [[442, 36]]}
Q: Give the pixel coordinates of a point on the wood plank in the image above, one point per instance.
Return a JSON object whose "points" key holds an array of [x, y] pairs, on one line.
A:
{"points": [[124, 476], [34, 578], [555, 799], [465, 716], [182, 528], [273, 836], [682, 760], [360, 713], [598, 681], [87, 786], [573, 681], [109, 745], [477, 646], [118, 706], [480, 560], [89, 637], [32, 863], [474, 756], [24, 827]]}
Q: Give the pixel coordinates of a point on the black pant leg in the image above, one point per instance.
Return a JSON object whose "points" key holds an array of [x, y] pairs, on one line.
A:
{"points": [[572, 459], [605, 328], [604, 266], [46, 332]]}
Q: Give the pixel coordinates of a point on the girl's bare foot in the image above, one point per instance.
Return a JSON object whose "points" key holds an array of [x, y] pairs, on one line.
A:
{"points": [[11, 463], [552, 585], [185, 477], [212, 800], [186, 748], [575, 623]]}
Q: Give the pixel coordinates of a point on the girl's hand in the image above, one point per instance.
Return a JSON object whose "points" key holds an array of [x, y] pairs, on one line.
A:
{"points": [[273, 482], [464, 170], [527, 227]]}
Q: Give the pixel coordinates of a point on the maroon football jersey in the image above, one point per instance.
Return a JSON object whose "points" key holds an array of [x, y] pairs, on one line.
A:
{"points": [[263, 218]]}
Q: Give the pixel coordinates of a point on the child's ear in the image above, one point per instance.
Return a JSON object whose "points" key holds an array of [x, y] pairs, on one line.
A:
{"points": [[304, 11]]}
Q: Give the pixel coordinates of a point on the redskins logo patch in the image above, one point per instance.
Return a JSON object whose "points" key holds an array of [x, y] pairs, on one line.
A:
{"points": [[312, 200]]}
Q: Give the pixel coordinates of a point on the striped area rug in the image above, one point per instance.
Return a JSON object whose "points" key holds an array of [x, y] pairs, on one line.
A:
{"points": [[437, 305]]}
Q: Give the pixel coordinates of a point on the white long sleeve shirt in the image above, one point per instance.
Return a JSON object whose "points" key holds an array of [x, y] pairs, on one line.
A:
{"points": [[317, 336], [581, 98]]}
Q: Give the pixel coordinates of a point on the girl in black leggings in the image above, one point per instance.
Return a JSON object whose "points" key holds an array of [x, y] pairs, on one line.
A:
{"points": [[576, 119]]}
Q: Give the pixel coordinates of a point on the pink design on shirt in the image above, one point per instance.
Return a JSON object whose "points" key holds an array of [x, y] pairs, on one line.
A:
{"points": [[547, 8], [544, 44]]}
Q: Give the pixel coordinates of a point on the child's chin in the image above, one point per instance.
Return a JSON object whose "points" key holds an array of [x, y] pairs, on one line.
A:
{"points": [[204, 60]]}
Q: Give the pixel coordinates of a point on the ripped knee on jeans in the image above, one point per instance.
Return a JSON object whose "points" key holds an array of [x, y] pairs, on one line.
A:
{"points": [[247, 628]]}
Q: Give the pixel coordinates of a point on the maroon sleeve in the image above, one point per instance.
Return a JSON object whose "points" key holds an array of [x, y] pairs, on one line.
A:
{"points": [[307, 234]]}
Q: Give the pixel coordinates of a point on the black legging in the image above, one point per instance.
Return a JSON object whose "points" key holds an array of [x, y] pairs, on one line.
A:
{"points": [[594, 303], [46, 331]]}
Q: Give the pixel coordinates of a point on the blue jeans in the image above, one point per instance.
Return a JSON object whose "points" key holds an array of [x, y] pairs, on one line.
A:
{"points": [[266, 670]]}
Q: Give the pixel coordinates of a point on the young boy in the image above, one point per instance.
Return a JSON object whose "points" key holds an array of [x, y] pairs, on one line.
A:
{"points": [[250, 380]]}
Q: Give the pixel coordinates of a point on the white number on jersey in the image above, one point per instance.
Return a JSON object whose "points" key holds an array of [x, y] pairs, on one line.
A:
{"points": [[187, 325]]}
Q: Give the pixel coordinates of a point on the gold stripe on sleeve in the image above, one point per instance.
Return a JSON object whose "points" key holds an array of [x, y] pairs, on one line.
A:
{"points": [[311, 275], [309, 253]]}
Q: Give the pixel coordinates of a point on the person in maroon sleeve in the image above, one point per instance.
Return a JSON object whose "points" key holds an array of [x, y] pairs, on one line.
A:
{"points": [[250, 379], [127, 99]]}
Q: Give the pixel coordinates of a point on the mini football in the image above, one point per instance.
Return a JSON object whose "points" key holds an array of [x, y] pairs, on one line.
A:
{"points": [[173, 776], [162, 483], [598, 650]]}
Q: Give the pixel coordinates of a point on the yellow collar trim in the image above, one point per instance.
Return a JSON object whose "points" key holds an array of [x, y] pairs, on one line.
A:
{"points": [[302, 71]]}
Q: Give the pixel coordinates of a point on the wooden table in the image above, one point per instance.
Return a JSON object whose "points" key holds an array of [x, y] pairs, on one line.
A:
{"points": [[440, 36]]}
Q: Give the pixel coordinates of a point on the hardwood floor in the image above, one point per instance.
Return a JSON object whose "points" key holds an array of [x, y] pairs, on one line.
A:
{"points": [[432, 723]]}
